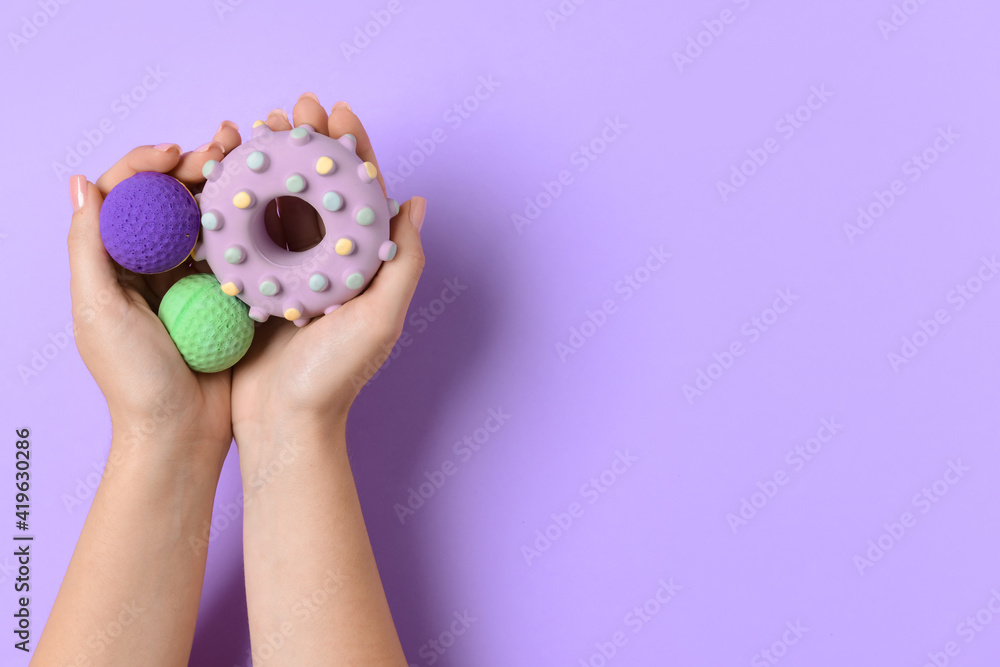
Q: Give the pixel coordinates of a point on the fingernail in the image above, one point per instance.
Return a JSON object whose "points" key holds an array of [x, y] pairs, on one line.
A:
{"points": [[166, 147], [311, 96], [228, 123], [204, 148], [78, 191], [342, 105], [279, 112], [418, 207]]}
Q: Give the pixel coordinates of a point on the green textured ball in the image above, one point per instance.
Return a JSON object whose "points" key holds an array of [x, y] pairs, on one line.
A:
{"points": [[211, 329]]}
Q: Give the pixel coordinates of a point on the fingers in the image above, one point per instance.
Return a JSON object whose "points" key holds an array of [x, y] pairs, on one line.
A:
{"points": [[343, 121], [93, 281], [277, 120], [160, 158], [309, 111], [394, 284], [188, 169]]}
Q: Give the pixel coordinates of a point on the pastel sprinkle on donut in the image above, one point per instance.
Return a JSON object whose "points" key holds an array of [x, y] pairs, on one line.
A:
{"points": [[325, 165], [235, 254], [211, 221], [344, 246], [367, 172], [354, 280], [365, 216], [332, 201], [232, 288], [243, 199], [257, 161], [299, 136], [318, 282], [268, 286], [295, 184]]}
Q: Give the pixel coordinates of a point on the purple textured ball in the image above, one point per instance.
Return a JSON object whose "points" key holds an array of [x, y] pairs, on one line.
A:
{"points": [[149, 222]]}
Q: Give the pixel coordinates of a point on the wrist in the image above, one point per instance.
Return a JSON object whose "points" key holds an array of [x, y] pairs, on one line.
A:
{"points": [[287, 448], [141, 445]]}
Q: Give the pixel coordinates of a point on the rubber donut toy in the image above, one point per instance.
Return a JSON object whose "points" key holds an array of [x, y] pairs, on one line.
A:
{"points": [[327, 174], [149, 222]]}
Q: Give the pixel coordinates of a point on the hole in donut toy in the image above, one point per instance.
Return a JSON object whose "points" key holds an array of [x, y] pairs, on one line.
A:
{"points": [[293, 224]]}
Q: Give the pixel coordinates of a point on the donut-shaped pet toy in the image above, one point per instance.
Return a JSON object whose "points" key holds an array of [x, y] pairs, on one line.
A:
{"points": [[327, 174]]}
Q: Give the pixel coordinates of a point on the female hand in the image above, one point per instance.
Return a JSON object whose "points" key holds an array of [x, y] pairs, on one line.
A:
{"points": [[311, 375], [151, 393]]}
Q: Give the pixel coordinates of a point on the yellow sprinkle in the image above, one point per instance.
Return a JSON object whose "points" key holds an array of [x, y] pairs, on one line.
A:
{"points": [[242, 199], [344, 246], [258, 123], [324, 165], [292, 314], [372, 171], [230, 289]]}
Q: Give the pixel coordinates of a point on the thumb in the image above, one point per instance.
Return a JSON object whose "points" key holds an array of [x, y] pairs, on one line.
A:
{"points": [[394, 284], [93, 282]]}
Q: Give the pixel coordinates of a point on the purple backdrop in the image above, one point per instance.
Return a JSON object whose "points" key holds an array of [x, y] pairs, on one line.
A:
{"points": [[707, 331]]}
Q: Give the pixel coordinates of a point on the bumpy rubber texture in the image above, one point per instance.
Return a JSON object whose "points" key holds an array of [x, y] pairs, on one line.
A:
{"points": [[149, 222], [327, 174], [211, 330]]}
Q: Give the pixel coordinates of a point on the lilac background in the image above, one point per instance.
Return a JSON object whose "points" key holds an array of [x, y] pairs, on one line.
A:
{"points": [[496, 346]]}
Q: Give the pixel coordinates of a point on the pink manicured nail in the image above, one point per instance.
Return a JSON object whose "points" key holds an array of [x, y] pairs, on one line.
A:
{"points": [[166, 147], [229, 123], [418, 207], [278, 112], [202, 149], [78, 191], [311, 96], [342, 105]]}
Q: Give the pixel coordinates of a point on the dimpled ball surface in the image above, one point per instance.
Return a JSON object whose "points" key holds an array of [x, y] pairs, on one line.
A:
{"points": [[149, 222], [211, 330]]}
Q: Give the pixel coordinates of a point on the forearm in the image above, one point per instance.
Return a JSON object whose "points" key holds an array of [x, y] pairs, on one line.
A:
{"points": [[131, 593], [313, 590]]}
